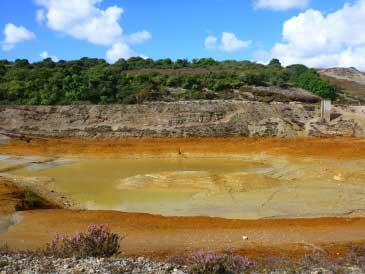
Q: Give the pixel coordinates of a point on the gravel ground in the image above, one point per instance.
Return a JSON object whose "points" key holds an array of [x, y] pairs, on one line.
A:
{"points": [[25, 264]]}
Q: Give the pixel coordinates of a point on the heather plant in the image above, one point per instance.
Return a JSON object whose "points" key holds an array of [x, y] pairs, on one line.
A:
{"points": [[97, 241], [355, 256], [214, 263]]}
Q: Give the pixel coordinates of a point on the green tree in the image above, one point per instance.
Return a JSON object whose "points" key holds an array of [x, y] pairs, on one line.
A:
{"points": [[275, 63]]}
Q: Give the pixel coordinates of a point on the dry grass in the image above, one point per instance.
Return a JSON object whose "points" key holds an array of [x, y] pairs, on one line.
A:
{"points": [[350, 87]]}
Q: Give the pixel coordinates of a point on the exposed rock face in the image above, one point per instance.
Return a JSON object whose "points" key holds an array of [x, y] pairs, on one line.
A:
{"points": [[178, 119]]}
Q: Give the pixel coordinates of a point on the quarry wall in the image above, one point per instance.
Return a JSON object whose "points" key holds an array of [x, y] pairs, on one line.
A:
{"points": [[182, 119]]}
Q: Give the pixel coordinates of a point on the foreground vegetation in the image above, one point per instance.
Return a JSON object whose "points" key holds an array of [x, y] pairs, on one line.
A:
{"points": [[94, 81], [98, 244], [97, 241]]}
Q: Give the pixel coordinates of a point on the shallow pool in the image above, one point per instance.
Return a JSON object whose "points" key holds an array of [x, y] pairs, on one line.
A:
{"points": [[242, 186]]}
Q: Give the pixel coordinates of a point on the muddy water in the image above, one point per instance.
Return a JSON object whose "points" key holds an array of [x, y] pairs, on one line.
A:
{"points": [[245, 186]]}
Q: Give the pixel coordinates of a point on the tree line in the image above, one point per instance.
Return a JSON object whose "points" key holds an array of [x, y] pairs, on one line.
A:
{"points": [[136, 80]]}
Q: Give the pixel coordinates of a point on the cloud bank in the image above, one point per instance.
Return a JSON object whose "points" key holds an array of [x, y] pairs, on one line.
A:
{"points": [[324, 40]]}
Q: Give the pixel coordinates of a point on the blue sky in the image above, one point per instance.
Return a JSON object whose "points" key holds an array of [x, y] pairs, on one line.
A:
{"points": [[236, 29]]}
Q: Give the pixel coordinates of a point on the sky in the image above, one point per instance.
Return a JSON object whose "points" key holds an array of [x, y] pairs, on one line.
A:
{"points": [[317, 33]]}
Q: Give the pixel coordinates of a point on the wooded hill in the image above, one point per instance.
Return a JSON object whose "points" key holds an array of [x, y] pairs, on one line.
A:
{"points": [[137, 80]]}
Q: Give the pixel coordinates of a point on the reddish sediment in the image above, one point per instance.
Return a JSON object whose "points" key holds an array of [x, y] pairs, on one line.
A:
{"points": [[158, 236], [336, 148]]}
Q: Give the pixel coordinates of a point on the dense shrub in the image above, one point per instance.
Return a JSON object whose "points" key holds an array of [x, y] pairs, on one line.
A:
{"points": [[311, 81], [94, 81], [97, 241], [214, 263]]}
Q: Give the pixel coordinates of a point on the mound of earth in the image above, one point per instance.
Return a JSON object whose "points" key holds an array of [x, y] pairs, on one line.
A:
{"points": [[199, 180], [350, 74], [350, 80]]}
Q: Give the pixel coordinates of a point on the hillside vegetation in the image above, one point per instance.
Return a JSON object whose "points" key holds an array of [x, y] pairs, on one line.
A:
{"points": [[137, 80]]}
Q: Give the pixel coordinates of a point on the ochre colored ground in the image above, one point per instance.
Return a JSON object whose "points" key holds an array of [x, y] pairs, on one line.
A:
{"points": [[158, 236], [336, 148], [8, 197]]}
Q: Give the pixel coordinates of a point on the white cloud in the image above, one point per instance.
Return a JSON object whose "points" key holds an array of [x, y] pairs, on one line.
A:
{"points": [[14, 35], [210, 42], [118, 51], [228, 43], [281, 4], [45, 55], [139, 37], [319, 40], [85, 20]]}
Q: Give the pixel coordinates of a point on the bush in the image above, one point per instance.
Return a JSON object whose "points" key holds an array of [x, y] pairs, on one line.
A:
{"points": [[311, 81], [29, 200], [213, 263], [98, 241]]}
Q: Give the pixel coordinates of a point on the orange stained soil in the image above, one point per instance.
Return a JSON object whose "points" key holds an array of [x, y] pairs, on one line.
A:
{"points": [[157, 236], [9, 197], [335, 148]]}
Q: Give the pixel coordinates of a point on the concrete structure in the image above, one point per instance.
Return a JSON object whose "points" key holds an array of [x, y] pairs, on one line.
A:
{"points": [[326, 106]]}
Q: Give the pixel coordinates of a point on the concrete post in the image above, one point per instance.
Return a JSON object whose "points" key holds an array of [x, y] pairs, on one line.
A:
{"points": [[326, 106]]}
